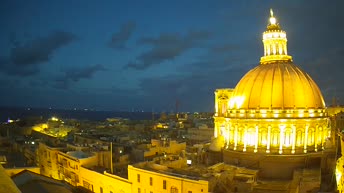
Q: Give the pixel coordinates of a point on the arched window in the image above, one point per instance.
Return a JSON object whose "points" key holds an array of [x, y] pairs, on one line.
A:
{"points": [[250, 136], [263, 137], [287, 137], [174, 189], [311, 136], [299, 138], [275, 137]]}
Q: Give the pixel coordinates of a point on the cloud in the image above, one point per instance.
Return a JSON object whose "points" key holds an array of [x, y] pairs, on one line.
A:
{"points": [[193, 90], [120, 38], [75, 75], [24, 58], [39, 50], [83, 73], [167, 47]]}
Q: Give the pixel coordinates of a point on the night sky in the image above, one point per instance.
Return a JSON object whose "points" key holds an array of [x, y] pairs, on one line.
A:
{"points": [[146, 55]]}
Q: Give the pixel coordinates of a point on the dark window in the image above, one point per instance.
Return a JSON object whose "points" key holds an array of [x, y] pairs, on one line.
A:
{"points": [[138, 190], [164, 184], [101, 190], [189, 191], [174, 189], [138, 178], [151, 181]]}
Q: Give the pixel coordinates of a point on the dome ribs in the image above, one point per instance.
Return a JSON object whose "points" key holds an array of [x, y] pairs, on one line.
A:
{"points": [[278, 86]]}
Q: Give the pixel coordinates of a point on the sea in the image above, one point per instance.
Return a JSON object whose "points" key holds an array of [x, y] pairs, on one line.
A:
{"points": [[14, 113]]}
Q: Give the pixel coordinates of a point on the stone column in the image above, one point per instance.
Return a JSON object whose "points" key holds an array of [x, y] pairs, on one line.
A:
{"points": [[236, 137], [306, 139], [256, 140], [269, 140], [293, 139]]}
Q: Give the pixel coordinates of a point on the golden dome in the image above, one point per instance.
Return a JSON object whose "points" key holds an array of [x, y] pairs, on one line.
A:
{"points": [[278, 85]]}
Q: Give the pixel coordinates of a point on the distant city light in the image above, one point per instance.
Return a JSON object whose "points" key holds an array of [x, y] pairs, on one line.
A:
{"points": [[54, 119]]}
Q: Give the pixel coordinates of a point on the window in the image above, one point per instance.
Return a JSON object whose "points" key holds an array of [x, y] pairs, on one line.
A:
{"points": [[111, 192], [138, 190], [138, 178], [174, 189], [101, 190], [189, 191], [151, 181], [164, 184], [201, 190], [86, 185]]}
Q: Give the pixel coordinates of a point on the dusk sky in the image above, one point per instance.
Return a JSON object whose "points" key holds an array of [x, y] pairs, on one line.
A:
{"points": [[146, 55]]}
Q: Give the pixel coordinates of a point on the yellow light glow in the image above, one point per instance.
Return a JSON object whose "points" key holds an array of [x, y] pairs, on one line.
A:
{"points": [[236, 102], [273, 21], [54, 119], [339, 174], [281, 127]]}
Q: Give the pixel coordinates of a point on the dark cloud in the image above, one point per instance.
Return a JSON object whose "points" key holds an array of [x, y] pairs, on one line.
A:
{"points": [[10, 68], [24, 58], [75, 75], [39, 50], [167, 47], [83, 73], [193, 90], [120, 38]]}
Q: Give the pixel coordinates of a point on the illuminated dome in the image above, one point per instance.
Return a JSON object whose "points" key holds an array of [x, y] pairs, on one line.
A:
{"points": [[279, 85], [276, 83], [275, 112], [275, 108]]}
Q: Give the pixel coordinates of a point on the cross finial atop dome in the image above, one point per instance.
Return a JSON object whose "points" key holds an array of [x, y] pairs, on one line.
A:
{"points": [[272, 18]]}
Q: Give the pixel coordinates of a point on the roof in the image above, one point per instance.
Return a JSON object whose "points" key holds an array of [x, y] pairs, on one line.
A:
{"points": [[28, 181], [6, 184], [279, 85]]}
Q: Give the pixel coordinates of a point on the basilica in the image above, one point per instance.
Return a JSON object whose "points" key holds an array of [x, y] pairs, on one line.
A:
{"points": [[275, 119]]}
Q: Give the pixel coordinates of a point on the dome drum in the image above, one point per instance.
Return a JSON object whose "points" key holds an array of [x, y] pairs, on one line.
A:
{"points": [[275, 136]]}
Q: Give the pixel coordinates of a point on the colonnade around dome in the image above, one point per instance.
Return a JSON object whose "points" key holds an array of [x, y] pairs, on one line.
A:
{"points": [[292, 136]]}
